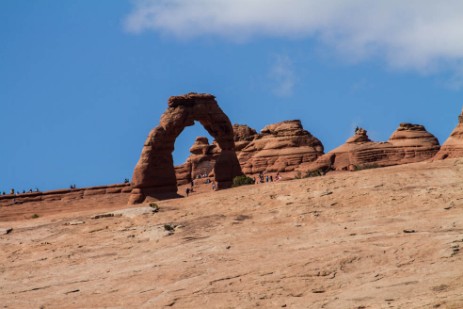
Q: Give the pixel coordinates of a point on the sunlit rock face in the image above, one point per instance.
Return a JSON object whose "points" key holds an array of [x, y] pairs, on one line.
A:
{"points": [[154, 175], [408, 144], [453, 146]]}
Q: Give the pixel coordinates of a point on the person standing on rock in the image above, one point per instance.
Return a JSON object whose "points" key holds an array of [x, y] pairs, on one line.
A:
{"points": [[187, 191]]}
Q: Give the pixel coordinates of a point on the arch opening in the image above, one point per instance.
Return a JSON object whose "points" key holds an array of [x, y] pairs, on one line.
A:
{"points": [[186, 140], [194, 157]]}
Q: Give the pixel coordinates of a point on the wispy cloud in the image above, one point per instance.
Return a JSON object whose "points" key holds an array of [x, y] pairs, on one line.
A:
{"points": [[283, 76], [422, 35]]}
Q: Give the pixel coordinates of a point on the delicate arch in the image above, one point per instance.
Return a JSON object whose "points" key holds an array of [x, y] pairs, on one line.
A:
{"points": [[154, 174]]}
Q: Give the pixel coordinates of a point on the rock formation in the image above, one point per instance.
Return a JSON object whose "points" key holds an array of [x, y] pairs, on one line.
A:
{"points": [[243, 135], [203, 155], [200, 162], [408, 144], [453, 146], [183, 173], [64, 194], [280, 147], [154, 175]]}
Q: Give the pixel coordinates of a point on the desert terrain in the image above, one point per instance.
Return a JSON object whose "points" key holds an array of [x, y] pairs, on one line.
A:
{"points": [[376, 238]]}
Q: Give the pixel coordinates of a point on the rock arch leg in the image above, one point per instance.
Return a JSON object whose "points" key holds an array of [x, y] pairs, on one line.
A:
{"points": [[154, 175]]}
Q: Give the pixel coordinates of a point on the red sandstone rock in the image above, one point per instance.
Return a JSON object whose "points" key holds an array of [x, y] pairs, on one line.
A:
{"points": [[200, 162], [154, 176], [408, 144], [280, 147], [63, 194], [203, 157], [243, 135], [183, 173], [453, 146], [360, 136]]}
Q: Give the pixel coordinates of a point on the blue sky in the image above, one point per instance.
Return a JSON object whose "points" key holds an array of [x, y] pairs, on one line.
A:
{"points": [[83, 82]]}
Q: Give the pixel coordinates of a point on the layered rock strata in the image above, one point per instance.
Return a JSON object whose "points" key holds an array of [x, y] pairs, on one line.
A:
{"points": [[280, 147], [201, 161], [243, 135], [63, 194], [408, 144], [154, 175], [453, 146]]}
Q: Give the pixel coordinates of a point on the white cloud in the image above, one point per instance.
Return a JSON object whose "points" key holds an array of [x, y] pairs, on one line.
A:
{"points": [[282, 74], [423, 35]]}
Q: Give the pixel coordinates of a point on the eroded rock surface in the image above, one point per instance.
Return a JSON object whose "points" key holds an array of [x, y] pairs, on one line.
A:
{"points": [[453, 146], [408, 144], [328, 242], [64, 194], [243, 135], [200, 162], [280, 147], [154, 175]]}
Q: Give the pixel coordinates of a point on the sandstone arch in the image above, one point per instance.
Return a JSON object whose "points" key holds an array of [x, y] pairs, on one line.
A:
{"points": [[154, 174]]}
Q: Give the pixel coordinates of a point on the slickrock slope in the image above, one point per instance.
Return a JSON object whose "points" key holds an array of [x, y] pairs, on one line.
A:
{"points": [[453, 146], [380, 238], [408, 144]]}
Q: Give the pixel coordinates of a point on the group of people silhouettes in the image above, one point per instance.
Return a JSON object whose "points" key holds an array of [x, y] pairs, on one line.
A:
{"points": [[266, 178], [208, 181], [14, 192]]}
